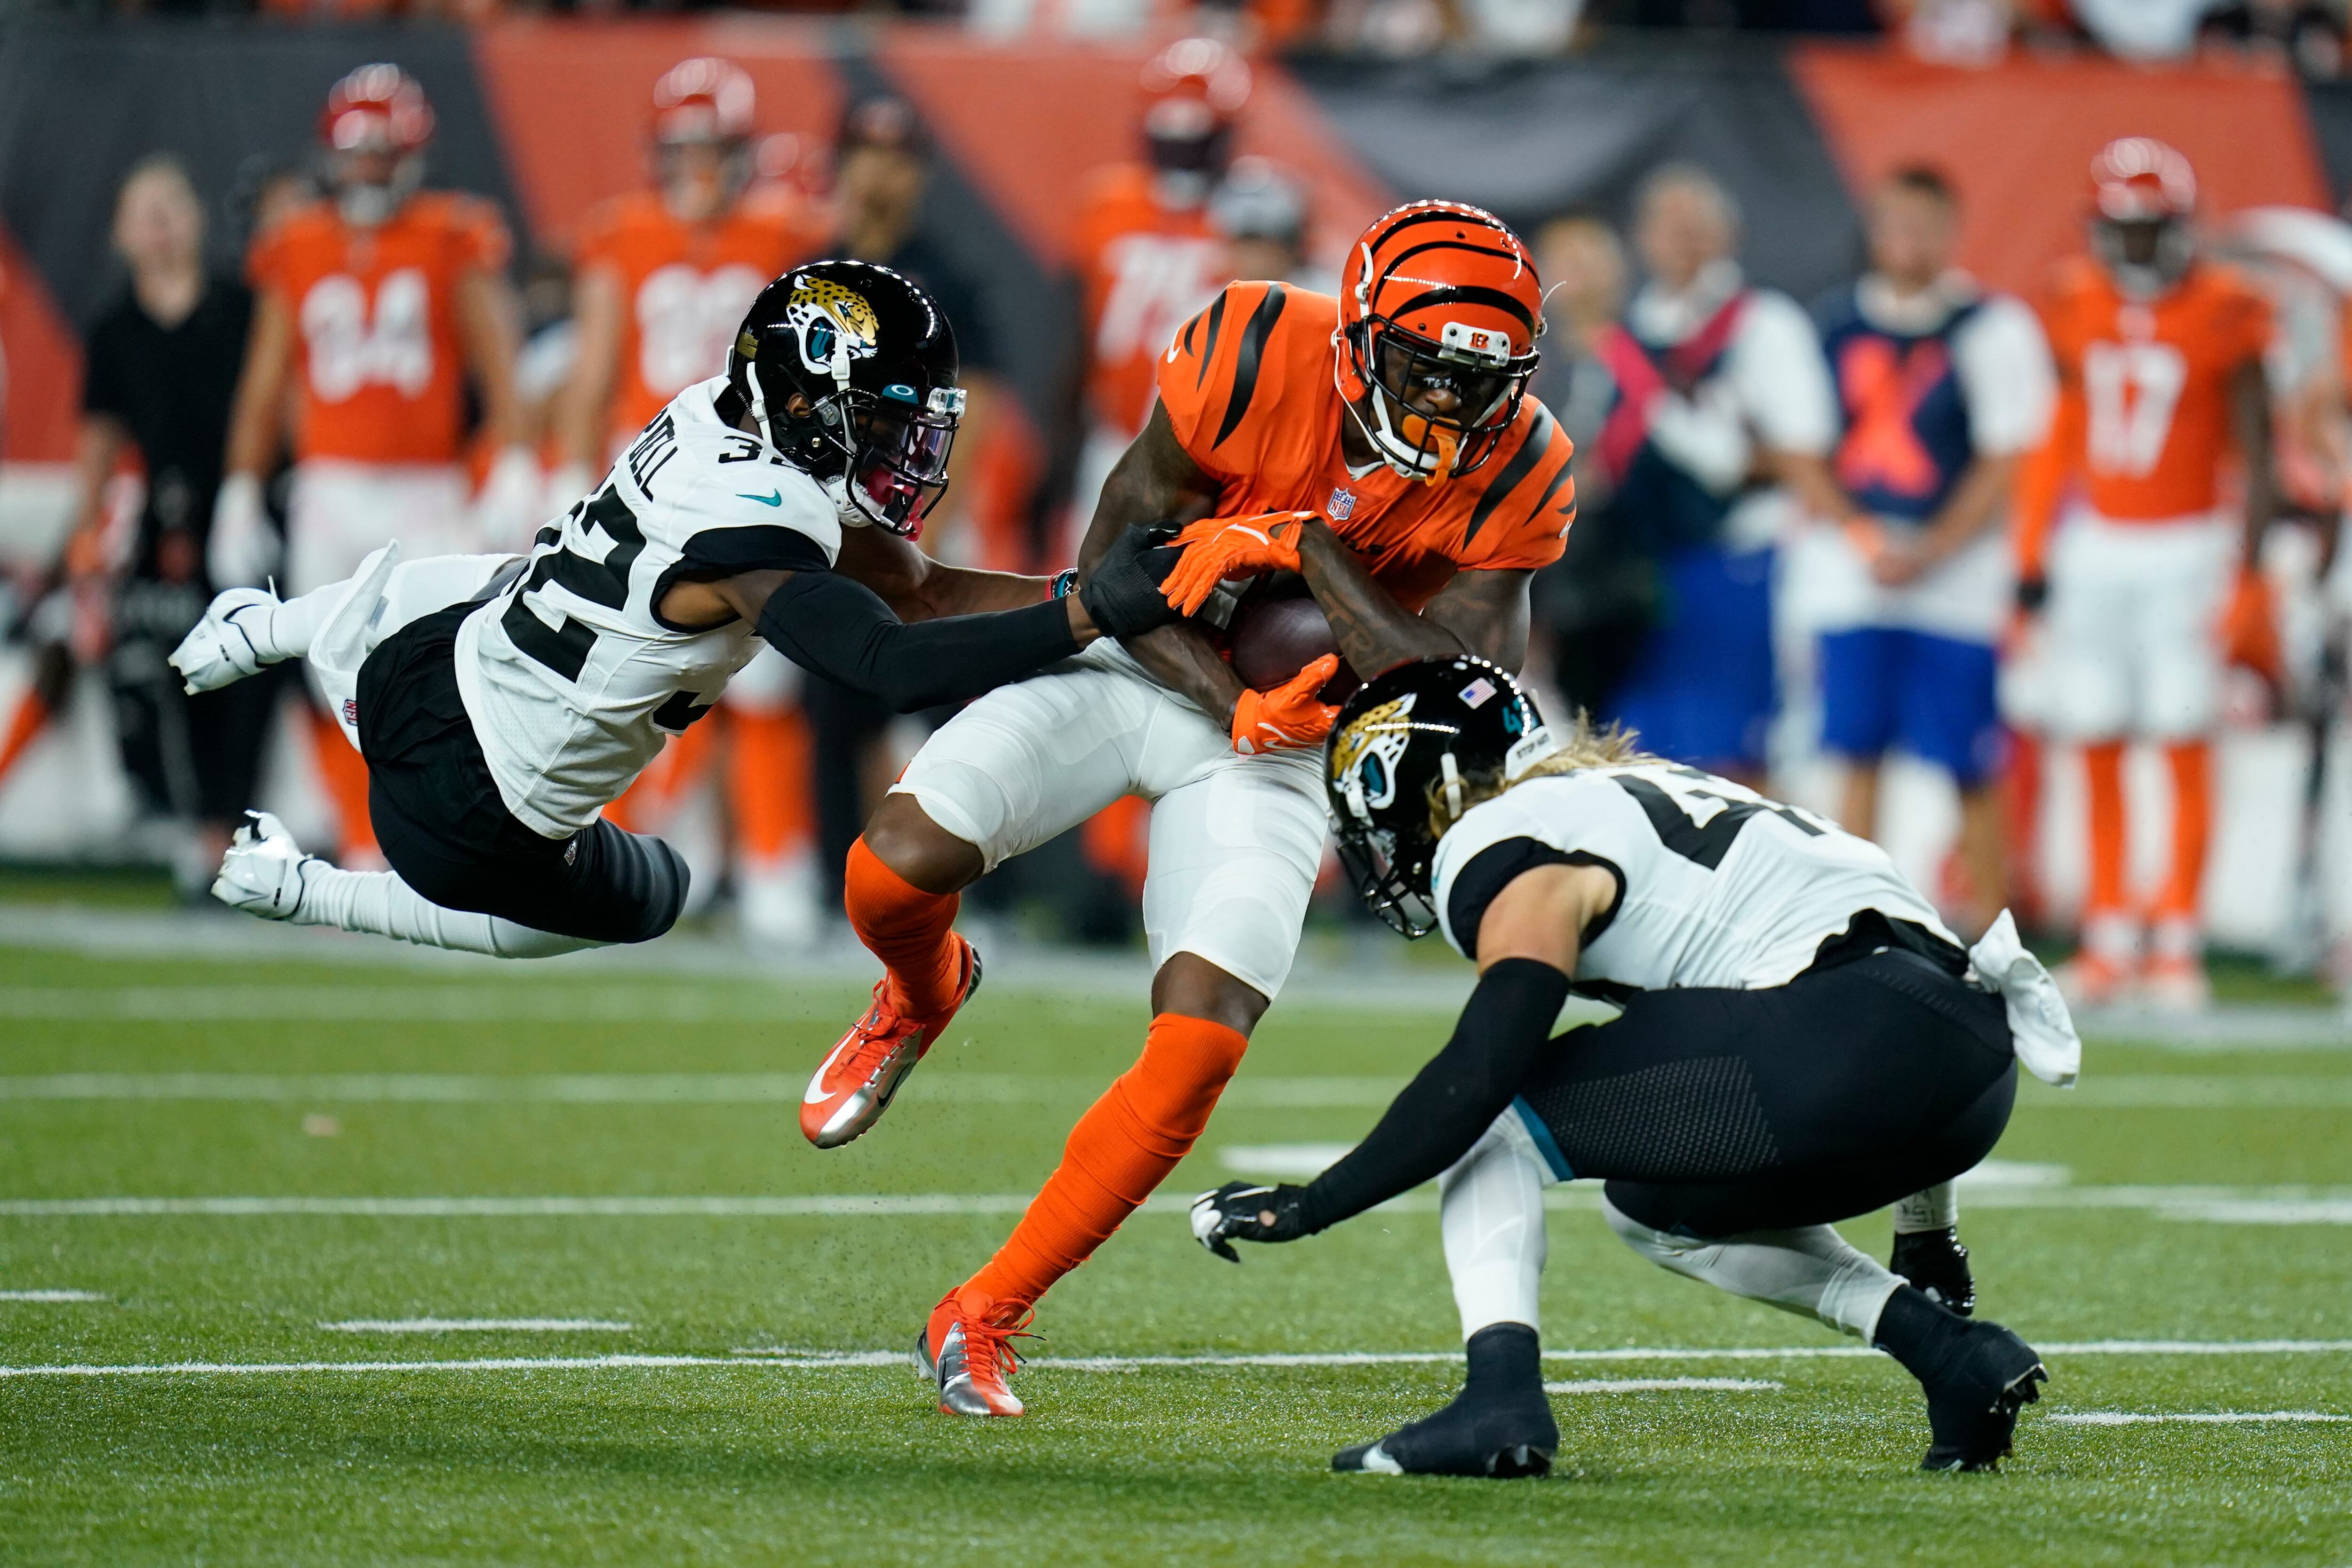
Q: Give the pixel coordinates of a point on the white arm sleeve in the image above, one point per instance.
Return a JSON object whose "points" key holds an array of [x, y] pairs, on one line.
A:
{"points": [[1782, 381], [2004, 368]]}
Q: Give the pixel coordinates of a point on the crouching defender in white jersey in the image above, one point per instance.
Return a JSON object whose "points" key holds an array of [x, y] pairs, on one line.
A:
{"points": [[502, 702], [1802, 1041]]}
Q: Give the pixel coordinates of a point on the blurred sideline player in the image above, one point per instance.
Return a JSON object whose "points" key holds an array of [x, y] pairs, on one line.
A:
{"points": [[2160, 357], [1721, 392], [664, 277], [381, 302], [1260, 214], [1397, 413], [1147, 249], [501, 703], [1943, 389]]}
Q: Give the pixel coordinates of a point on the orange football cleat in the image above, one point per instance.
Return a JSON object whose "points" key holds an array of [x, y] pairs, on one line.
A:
{"points": [[969, 1358], [857, 1080]]}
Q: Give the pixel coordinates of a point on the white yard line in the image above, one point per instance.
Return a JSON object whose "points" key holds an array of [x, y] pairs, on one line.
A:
{"points": [[2194, 1417], [50, 1296], [1664, 1384], [478, 1325], [829, 1360], [2226, 1204]]}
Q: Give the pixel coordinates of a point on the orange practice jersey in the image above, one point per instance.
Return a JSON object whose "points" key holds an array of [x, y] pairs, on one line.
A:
{"points": [[1248, 388], [382, 376], [684, 289], [2143, 417], [1146, 267]]}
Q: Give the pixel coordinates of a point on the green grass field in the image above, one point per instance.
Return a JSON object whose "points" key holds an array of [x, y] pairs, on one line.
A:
{"points": [[2204, 1199]]}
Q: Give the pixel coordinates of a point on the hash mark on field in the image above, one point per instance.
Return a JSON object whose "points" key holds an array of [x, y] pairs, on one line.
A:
{"points": [[1664, 1384], [2198, 1417], [50, 1296], [478, 1325]]}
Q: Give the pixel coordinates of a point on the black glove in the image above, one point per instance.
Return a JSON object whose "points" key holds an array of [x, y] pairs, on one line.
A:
{"points": [[1938, 1267], [1123, 597], [1245, 1211]]}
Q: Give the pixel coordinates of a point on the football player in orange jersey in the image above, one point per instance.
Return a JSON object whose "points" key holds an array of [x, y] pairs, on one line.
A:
{"points": [[1379, 445], [2160, 357], [379, 303], [663, 276], [1148, 250]]}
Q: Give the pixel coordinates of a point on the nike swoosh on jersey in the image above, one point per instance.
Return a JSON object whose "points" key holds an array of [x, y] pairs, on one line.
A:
{"points": [[773, 498]]}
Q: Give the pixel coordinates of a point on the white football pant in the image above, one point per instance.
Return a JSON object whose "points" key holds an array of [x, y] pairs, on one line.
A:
{"points": [[2134, 619]]}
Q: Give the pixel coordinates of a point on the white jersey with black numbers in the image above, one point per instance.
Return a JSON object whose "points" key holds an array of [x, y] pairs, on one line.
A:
{"points": [[572, 679], [1717, 885]]}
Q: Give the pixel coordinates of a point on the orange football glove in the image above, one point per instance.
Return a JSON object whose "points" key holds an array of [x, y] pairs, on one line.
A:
{"points": [[2249, 630], [1218, 548], [1289, 716]]}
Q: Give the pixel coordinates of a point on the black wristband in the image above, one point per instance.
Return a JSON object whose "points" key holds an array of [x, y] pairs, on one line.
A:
{"points": [[2033, 593]]}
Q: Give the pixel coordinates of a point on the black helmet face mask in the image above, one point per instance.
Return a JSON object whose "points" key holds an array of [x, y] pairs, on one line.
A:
{"points": [[899, 462], [1365, 778]]}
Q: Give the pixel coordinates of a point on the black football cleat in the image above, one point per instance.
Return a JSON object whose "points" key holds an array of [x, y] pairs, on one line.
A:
{"points": [[1937, 1266], [1505, 1439], [1974, 1398]]}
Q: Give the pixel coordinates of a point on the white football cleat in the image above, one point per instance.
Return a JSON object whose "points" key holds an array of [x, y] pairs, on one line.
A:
{"points": [[219, 651], [262, 872]]}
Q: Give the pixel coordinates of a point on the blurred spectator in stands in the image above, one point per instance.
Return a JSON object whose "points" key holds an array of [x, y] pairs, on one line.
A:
{"points": [[1721, 396], [1952, 32], [162, 373], [1942, 388], [666, 275], [375, 309], [1146, 254], [2143, 29], [2306, 34], [882, 168], [1597, 600]]}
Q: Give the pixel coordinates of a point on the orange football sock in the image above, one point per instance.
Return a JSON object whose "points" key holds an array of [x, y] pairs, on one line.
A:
{"points": [[344, 772], [1122, 1149], [2103, 772], [904, 927], [768, 782], [2192, 829], [31, 718]]}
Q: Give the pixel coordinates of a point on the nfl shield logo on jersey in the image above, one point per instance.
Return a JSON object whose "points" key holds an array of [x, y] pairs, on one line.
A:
{"points": [[1343, 503]]}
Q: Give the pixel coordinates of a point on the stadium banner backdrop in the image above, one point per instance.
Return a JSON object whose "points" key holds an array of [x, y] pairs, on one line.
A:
{"points": [[546, 117]]}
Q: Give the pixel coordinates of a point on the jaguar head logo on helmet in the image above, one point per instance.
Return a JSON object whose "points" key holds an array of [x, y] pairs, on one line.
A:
{"points": [[1439, 314], [849, 370], [1408, 756]]}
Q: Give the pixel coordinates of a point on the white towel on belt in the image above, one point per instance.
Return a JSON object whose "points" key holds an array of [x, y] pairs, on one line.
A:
{"points": [[2039, 1023]]}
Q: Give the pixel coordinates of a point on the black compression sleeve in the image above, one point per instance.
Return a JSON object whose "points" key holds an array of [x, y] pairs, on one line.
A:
{"points": [[840, 629], [1443, 1111]]}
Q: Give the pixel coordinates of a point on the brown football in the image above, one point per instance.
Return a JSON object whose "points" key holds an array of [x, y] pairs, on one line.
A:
{"points": [[1273, 639]]}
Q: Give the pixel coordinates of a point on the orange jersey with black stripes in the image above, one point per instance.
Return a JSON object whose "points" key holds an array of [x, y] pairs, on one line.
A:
{"points": [[1145, 268], [684, 289], [2145, 386], [1249, 391], [381, 370]]}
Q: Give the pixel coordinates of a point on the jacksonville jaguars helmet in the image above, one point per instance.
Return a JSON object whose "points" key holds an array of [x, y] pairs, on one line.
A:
{"points": [[1403, 758], [849, 370]]}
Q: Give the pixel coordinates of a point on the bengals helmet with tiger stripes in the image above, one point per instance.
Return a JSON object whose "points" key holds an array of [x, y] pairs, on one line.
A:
{"points": [[1439, 314]]}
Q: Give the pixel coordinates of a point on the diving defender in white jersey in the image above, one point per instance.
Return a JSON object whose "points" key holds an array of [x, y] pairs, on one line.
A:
{"points": [[1802, 1041], [502, 702]]}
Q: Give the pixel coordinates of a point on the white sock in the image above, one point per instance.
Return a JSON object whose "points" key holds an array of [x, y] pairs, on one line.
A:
{"points": [[1810, 1271], [1932, 1208], [379, 902], [1490, 1207]]}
